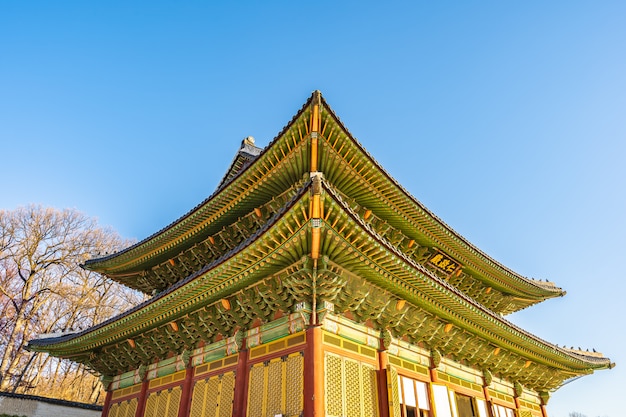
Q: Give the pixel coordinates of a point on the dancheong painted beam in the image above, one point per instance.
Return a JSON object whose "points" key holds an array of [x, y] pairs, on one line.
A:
{"points": [[311, 283]]}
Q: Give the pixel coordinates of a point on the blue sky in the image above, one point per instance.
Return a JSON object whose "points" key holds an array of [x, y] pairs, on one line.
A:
{"points": [[506, 119]]}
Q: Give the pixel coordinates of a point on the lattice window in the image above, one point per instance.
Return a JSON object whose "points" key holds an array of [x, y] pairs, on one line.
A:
{"points": [[132, 408], [276, 387], [123, 408], [114, 410], [163, 403], [393, 392], [256, 392], [350, 387], [369, 398], [150, 405], [352, 383], [275, 382], [227, 395], [213, 397], [334, 385], [295, 385]]}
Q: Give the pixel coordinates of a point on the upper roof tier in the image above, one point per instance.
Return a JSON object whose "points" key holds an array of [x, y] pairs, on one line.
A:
{"points": [[315, 140]]}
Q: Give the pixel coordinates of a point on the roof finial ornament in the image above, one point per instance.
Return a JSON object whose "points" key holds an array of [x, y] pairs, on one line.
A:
{"points": [[317, 97], [249, 140]]}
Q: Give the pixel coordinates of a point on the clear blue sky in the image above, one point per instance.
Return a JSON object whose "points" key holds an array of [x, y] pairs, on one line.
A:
{"points": [[507, 119]]}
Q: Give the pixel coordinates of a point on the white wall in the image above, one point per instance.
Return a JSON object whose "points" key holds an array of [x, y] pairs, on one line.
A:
{"points": [[35, 408]]}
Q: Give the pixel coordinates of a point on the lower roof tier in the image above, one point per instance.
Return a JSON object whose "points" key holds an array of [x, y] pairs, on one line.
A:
{"points": [[317, 252]]}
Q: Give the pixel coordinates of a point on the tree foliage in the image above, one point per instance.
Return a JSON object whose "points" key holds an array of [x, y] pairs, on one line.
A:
{"points": [[43, 289]]}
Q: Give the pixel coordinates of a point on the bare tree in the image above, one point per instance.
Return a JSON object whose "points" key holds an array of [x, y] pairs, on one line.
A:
{"points": [[43, 289]]}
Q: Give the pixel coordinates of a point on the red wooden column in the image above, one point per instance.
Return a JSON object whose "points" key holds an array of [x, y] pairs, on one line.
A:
{"points": [[433, 374], [488, 401], [544, 397], [141, 401], [518, 406], [383, 392], [434, 378], [107, 402], [313, 373], [185, 398], [241, 384]]}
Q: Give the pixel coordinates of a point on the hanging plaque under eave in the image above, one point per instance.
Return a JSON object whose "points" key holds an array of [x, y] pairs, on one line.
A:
{"points": [[444, 263]]}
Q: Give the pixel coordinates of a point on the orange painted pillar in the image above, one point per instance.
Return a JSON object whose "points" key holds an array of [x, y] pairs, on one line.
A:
{"points": [[141, 401], [185, 398], [544, 412], [313, 373], [433, 375], [107, 403], [517, 403], [383, 393], [488, 401], [432, 371], [241, 385]]}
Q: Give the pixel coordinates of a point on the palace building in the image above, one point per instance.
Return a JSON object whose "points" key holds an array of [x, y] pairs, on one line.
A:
{"points": [[311, 283]]}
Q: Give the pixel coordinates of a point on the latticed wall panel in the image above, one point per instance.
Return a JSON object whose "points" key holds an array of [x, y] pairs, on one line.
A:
{"points": [[276, 387], [256, 391], [227, 395], [213, 396], [393, 392], [123, 408], [334, 385], [275, 382], [350, 387], [163, 403], [294, 378], [352, 383]]}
